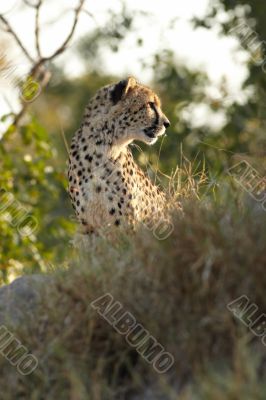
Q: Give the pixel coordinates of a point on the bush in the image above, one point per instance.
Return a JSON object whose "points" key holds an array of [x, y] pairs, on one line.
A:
{"points": [[178, 289]]}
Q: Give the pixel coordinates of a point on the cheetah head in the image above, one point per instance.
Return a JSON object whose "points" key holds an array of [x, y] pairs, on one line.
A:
{"points": [[136, 112]]}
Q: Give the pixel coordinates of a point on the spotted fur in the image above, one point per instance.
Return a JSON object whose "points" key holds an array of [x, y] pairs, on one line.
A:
{"points": [[106, 186]]}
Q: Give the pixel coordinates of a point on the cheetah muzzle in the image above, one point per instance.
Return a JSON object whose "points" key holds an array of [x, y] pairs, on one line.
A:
{"points": [[106, 186]]}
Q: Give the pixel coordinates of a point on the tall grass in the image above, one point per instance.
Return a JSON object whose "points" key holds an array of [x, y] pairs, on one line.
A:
{"points": [[178, 289]]}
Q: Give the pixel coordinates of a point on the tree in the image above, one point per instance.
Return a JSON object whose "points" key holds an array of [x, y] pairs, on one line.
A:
{"points": [[32, 183]]}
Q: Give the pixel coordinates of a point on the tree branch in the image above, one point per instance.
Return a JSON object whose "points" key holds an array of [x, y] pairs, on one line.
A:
{"points": [[37, 28], [62, 48], [28, 3], [10, 30], [38, 68]]}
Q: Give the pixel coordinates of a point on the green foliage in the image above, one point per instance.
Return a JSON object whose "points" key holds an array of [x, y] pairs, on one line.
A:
{"points": [[245, 129], [30, 173], [33, 157], [116, 29], [178, 288]]}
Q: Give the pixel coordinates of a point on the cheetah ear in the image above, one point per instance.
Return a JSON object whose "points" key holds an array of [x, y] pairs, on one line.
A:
{"points": [[122, 88]]}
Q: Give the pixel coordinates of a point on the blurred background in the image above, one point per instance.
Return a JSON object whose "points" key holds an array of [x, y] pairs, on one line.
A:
{"points": [[206, 59]]}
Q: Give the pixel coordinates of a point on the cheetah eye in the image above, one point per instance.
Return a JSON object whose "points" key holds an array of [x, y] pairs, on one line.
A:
{"points": [[151, 104]]}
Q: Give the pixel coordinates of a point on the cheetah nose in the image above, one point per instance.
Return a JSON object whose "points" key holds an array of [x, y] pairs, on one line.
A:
{"points": [[166, 123]]}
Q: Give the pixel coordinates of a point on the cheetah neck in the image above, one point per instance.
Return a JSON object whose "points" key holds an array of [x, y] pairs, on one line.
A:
{"points": [[104, 135]]}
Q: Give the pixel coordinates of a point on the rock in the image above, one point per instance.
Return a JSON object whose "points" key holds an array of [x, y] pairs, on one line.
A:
{"points": [[19, 299]]}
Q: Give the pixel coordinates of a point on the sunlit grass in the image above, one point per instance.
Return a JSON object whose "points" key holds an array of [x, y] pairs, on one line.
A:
{"points": [[177, 288]]}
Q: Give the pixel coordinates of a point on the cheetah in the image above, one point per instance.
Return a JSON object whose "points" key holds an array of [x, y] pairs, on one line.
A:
{"points": [[106, 186]]}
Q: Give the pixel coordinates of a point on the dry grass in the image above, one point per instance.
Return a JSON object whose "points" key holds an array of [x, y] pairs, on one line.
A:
{"points": [[177, 288]]}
